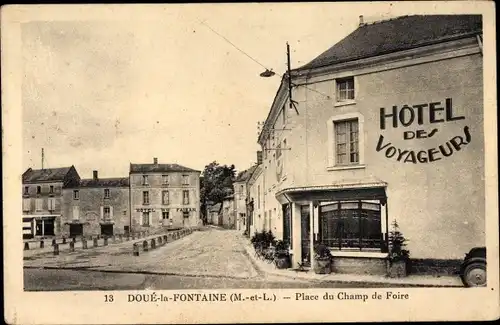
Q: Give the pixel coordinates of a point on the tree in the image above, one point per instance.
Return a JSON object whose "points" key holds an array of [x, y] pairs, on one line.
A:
{"points": [[216, 183]]}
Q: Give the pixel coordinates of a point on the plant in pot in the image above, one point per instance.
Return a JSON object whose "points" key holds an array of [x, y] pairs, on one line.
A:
{"points": [[322, 259], [399, 257], [281, 255]]}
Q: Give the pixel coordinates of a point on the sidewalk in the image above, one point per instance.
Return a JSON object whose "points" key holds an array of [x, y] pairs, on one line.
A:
{"points": [[412, 280]]}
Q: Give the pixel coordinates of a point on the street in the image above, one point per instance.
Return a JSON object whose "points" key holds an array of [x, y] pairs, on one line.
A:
{"points": [[209, 259]]}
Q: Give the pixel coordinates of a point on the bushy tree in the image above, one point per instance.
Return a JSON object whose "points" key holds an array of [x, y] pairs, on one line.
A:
{"points": [[216, 183]]}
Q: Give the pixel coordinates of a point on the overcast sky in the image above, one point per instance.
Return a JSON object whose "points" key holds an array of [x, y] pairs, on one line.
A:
{"points": [[99, 94]]}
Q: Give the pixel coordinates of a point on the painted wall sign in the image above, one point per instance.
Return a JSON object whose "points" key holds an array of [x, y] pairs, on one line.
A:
{"points": [[145, 210], [186, 209], [419, 115]]}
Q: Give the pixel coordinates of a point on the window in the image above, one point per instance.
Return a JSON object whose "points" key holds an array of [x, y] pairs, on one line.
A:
{"points": [[185, 197], [106, 193], [52, 204], [185, 180], [145, 180], [38, 204], [185, 214], [145, 219], [76, 212], [76, 195], [145, 197], [345, 89], [164, 179], [351, 225], [107, 213], [26, 190], [51, 189], [26, 204], [165, 197], [164, 215], [346, 142], [38, 190]]}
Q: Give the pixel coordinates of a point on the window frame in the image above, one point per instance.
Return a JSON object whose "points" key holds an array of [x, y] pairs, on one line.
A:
{"points": [[338, 83], [104, 213], [145, 180], [163, 213], [165, 197], [107, 193], [145, 198], [185, 179], [331, 143], [76, 195], [165, 179], [26, 190], [185, 198], [143, 215], [348, 142]]}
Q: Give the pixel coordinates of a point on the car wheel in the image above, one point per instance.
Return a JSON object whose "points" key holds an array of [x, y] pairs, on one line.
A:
{"points": [[474, 275]]}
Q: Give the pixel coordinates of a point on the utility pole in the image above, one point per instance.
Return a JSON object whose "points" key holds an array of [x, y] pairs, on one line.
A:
{"points": [[289, 76], [42, 158]]}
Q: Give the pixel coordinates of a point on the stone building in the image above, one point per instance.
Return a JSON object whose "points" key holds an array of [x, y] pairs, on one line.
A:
{"points": [[240, 190], [389, 126], [96, 206], [227, 217], [43, 199], [164, 195]]}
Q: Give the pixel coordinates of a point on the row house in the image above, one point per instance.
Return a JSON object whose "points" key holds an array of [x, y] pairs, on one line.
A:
{"points": [[164, 195], [240, 190], [227, 217], [96, 206], [43, 199], [388, 126]]}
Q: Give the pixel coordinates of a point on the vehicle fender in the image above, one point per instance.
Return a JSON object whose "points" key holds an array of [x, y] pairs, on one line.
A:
{"points": [[472, 260]]}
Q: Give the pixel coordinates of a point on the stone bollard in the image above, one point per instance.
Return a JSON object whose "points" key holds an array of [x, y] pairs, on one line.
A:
{"points": [[114, 239], [71, 246], [56, 249], [41, 244], [64, 240], [153, 243], [136, 249], [53, 242], [160, 241], [84, 243], [26, 246], [145, 246], [165, 239], [105, 241], [95, 242]]}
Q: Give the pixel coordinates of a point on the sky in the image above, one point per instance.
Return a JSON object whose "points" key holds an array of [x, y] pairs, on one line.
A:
{"points": [[105, 92]]}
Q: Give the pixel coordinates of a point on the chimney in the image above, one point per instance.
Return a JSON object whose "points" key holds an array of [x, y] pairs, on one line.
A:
{"points": [[95, 175], [361, 21], [259, 157], [155, 161]]}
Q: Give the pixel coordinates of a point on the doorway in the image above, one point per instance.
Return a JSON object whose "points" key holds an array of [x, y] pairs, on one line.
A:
{"points": [[75, 230], [45, 227], [305, 216], [107, 229]]}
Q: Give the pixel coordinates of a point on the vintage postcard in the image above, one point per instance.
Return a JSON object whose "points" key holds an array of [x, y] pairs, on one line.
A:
{"points": [[243, 163]]}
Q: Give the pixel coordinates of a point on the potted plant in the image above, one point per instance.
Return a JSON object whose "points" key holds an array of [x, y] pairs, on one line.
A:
{"points": [[399, 257], [281, 255], [322, 259]]}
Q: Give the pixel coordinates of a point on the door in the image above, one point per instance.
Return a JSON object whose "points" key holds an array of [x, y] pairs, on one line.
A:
{"points": [[107, 230], [39, 227], [48, 227], [75, 230], [305, 233]]}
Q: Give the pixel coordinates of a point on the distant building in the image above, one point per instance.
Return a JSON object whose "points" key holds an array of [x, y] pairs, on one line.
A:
{"points": [[227, 218], [241, 197], [43, 198], [213, 212], [164, 195], [96, 206]]}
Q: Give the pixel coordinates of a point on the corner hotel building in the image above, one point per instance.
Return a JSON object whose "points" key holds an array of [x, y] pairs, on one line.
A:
{"points": [[389, 126]]}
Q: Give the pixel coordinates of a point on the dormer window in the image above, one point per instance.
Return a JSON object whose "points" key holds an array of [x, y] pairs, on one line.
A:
{"points": [[26, 190], [345, 89], [38, 190], [51, 189], [145, 180]]}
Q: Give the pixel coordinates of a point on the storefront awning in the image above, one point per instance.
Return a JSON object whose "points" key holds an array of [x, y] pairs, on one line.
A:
{"points": [[336, 192]]}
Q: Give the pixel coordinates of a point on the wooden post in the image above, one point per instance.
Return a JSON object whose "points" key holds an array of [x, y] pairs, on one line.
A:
{"points": [[153, 243], [165, 238]]}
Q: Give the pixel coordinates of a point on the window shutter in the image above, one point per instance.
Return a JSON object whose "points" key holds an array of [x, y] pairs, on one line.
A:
{"points": [[150, 215], [111, 212], [102, 212]]}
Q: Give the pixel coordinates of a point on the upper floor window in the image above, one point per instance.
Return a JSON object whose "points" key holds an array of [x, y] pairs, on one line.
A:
{"points": [[185, 180], [76, 195], [107, 212], [26, 190], [346, 142], [106, 193], [38, 190], [145, 180], [38, 204], [185, 197], [51, 204], [165, 197], [345, 89], [51, 189], [26, 204], [164, 179], [145, 197]]}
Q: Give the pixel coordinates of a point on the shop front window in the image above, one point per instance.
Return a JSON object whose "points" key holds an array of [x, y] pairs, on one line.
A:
{"points": [[351, 225]]}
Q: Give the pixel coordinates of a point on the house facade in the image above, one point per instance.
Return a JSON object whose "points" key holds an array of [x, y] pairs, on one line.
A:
{"points": [[164, 195], [43, 200], [227, 217], [389, 126], [96, 206], [240, 190]]}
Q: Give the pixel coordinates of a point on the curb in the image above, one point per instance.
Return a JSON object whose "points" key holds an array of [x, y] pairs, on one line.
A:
{"points": [[389, 284]]}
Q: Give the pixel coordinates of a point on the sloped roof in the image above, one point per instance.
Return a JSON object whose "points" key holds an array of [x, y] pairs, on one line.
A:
{"points": [[45, 175], [246, 174], [159, 168], [105, 182], [397, 34]]}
